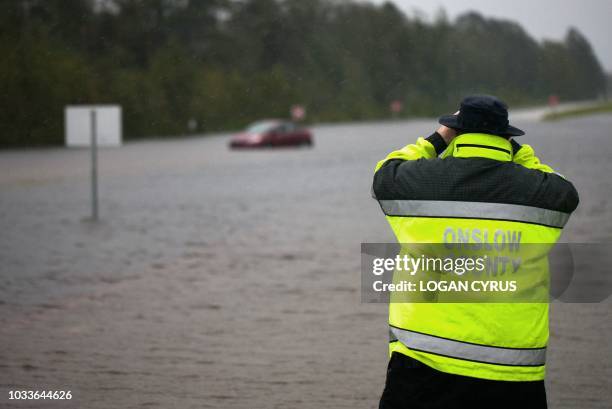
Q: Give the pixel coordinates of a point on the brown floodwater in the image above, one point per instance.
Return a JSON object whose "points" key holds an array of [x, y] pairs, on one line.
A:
{"points": [[232, 279]]}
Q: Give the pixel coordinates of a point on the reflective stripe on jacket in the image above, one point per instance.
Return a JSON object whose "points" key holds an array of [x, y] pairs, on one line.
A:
{"points": [[485, 183]]}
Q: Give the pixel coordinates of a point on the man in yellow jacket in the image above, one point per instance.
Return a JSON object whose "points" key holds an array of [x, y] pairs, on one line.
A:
{"points": [[472, 179]]}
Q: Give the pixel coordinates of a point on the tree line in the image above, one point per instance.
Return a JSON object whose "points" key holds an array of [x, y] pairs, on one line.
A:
{"points": [[179, 66]]}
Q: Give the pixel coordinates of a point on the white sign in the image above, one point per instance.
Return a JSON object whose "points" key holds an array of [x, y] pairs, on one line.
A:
{"points": [[78, 125]]}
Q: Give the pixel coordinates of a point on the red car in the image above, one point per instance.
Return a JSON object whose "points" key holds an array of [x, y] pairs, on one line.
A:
{"points": [[272, 132]]}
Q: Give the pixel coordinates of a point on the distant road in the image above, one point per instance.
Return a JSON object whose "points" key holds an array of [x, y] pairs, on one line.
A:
{"points": [[537, 113]]}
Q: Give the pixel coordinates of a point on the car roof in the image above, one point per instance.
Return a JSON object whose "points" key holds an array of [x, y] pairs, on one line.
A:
{"points": [[269, 121]]}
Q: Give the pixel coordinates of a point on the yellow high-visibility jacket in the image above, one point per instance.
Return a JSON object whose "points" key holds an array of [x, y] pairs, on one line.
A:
{"points": [[481, 183]]}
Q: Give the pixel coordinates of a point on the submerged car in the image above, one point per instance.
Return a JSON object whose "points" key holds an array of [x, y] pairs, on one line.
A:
{"points": [[272, 132]]}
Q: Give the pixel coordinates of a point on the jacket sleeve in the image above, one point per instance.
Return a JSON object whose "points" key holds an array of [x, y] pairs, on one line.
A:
{"points": [[423, 149], [386, 171], [524, 155]]}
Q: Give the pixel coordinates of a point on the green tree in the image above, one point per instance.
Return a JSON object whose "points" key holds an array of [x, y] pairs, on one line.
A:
{"points": [[225, 63]]}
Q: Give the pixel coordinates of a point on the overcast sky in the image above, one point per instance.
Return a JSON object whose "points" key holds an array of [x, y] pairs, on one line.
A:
{"points": [[541, 18]]}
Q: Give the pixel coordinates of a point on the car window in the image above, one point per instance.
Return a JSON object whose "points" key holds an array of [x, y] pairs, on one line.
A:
{"points": [[287, 127], [260, 127]]}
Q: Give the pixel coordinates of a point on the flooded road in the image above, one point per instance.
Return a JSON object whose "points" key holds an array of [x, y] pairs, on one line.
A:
{"points": [[232, 279]]}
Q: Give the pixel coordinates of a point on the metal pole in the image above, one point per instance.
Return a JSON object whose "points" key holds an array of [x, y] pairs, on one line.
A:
{"points": [[94, 167]]}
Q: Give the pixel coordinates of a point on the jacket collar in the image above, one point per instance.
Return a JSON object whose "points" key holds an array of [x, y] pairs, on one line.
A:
{"points": [[480, 145]]}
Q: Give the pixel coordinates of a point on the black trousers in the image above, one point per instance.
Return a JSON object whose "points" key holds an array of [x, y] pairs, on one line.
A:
{"points": [[413, 385]]}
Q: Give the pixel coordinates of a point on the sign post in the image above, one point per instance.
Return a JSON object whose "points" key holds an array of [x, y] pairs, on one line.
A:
{"points": [[94, 166], [553, 102], [396, 106], [93, 126], [298, 112]]}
